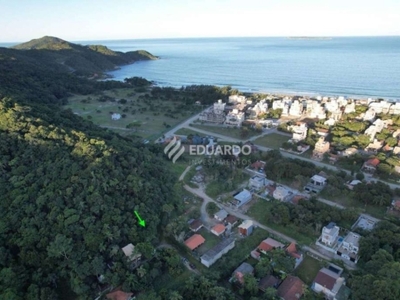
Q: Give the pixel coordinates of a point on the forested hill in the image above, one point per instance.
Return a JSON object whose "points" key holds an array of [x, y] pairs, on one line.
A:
{"points": [[83, 60], [68, 189]]}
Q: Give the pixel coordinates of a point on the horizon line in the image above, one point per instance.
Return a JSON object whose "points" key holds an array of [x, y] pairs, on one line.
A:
{"points": [[215, 37]]}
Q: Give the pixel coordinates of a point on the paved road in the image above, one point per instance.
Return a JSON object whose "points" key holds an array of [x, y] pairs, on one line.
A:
{"points": [[207, 199], [284, 153]]}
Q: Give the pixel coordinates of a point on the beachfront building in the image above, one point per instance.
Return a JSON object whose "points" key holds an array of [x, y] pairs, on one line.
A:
{"points": [[259, 108], [235, 118], [395, 109], [236, 99], [296, 109], [350, 108], [369, 115], [315, 110], [381, 107]]}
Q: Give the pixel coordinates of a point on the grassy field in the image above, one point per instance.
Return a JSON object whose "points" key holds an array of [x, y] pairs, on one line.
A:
{"points": [[257, 211], [273, 140], [187, 131], [231, 132], [150, 115], [308, 269]]}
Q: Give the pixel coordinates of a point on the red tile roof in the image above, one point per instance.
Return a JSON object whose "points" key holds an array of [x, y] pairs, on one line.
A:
{"points": [[258, 165], [325, 280], [194, 241], [291, 288], [119, 295], [373, 162], [219, 228], [269, 244], [292, 250]]}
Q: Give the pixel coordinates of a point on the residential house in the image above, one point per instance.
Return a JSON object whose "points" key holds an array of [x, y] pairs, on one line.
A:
{"points": [[374, 146], [218, 229], [299, 132], [328, 282], [268, 282], [349, 247], [221, 215], [231, 220], [234, 118], [241, 271], [196, 225], [131, 253], [292, 288], [257, 182], [315, 110], [242, 198], [292, 251], [269, 244], [296, 109], [194, 241], [369, 115], [236, 99], [380, 107], [119, 295], [365, 222], [316, 184], [395, 109], [215, 253], [322, 132], [321, 147], [215, 114], [281, 193], [353, 183], [370, 165], [246, 228], [349, 152], [330, 233], [350, 108], [396, 205]]}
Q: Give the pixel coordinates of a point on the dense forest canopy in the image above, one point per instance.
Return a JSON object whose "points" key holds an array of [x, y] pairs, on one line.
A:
{"points": [[68, 188]]}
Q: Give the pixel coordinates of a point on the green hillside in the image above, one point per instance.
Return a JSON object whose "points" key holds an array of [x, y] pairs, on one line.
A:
{"points": [[83, 60]]}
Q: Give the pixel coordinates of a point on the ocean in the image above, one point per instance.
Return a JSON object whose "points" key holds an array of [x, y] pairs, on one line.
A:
{"points": [[348, 66]]}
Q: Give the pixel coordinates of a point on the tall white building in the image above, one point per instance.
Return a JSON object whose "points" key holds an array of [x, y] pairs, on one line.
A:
{"points": [[329, 234]]}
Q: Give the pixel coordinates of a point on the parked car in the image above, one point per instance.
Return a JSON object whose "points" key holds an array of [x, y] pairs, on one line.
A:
{"points": [[192, 266]]}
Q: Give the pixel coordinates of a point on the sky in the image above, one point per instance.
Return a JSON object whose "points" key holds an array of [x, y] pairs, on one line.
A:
{"points": [[82, 20]]}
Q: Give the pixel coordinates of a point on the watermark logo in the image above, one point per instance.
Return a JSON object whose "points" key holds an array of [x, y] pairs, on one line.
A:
{"points": [[174, 149]]}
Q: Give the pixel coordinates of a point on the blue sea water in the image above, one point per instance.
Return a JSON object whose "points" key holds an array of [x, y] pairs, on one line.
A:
{"points": [[349, 66]]}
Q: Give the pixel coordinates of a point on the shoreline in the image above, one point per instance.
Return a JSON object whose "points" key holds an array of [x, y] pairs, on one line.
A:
{"points": [[280, 93]]}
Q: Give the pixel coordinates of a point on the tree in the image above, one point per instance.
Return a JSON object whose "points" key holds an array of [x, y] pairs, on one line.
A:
{"points": [[360, 176], [250, 284]]}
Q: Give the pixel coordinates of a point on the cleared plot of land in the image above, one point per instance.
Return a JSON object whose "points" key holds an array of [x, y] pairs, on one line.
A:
{"points": [[211, 241], [259, 212], [308, 269], [273, 140], [151, 117], [231, 132]]}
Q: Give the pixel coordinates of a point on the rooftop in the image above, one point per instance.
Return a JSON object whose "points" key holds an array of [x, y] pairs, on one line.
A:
{"points": [[119, 295], [231, 219], [222, 214], [352, 238], [243, 196], [373, 162], [210, 254], [245, 268], [267, 281], [246, 224], [269, 244], [194, 241], [196, 224], [291, 288], [129, 251], [219, 228], [292, 250], [326, 278]]}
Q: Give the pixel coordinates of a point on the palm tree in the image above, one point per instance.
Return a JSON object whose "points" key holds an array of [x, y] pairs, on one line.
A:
{"points": [[174, 295]]}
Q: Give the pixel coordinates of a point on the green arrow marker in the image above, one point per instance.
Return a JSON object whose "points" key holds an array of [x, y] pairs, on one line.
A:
{"points": [[141, 222]]}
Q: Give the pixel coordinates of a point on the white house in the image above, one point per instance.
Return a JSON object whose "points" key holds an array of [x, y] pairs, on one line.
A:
{"points": [[235, 118], [237, 99], [369, 115], [329, 234], [256, 182], [349, 247], [281, 193], [221, 215], [296, 109], [328, 282], [115, 116], [299, 132], [130, 253]]}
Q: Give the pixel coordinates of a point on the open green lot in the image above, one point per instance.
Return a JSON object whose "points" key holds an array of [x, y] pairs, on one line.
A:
{"points": [[187, 131], [151, 117], [273, 140], [211, 241], [258, 211], [231, 132], [308, 269]]}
